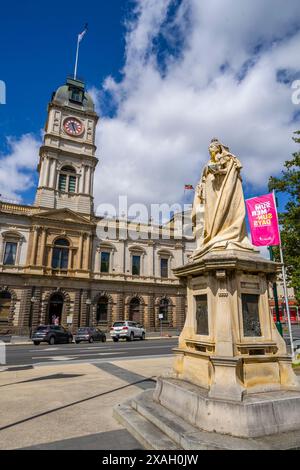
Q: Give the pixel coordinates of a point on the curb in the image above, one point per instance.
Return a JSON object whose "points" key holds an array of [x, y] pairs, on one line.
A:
{"points": [[109, 340]]}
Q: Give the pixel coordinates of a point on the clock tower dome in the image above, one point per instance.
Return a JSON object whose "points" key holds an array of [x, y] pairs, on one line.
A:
{"points": [[67, 156]]}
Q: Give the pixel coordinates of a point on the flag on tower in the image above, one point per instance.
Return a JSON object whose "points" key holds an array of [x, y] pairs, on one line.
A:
{"points": [[80, 35]]}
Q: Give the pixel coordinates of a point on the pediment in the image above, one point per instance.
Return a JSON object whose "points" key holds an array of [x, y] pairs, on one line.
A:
{"points": [[63, 215]]}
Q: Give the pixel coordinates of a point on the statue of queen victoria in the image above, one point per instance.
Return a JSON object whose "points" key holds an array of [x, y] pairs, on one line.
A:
{"points": [[219, 195]]}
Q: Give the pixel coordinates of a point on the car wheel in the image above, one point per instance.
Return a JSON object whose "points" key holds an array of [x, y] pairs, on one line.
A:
{"points": [[131, 336], [115, 340], [103, 339], [91, 339], [77, 342], [51, 340], [143, 336], [36, 343]]}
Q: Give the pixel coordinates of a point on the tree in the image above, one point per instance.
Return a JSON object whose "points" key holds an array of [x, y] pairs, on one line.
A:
{"points": [[289, 220]]}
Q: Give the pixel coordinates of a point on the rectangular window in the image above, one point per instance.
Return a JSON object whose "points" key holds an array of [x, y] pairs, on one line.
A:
{"points": [[72, 184], [201, 314], [251, 323], [10, 253], [60, 258], [62, 182], [105, 262], [164, 267], [136, 265]]}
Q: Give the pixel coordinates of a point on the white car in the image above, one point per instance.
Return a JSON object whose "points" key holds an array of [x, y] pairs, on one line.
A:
{"points": [[128, 330]]}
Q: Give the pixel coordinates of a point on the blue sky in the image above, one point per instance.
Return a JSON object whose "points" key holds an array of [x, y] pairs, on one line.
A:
{"points": [[175, 72], [37, 49]]}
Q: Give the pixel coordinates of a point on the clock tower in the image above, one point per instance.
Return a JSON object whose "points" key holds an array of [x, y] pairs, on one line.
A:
{"points": [[67, 156]]}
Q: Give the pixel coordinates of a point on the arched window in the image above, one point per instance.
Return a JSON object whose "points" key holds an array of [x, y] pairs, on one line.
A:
{"points": [[67, 179], [163, 309], [5, 303], [102, 310], [60, 254]]}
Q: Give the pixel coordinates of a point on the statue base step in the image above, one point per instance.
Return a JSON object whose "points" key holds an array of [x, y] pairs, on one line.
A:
{"points": [[157, 427]]}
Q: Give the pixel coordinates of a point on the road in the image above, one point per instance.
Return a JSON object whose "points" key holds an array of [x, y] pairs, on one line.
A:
{"points": [[28, 355]]}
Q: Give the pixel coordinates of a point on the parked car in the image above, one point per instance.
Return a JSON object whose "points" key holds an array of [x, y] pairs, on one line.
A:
{"points": [[89, 334], [128, 330], [51, 334]]}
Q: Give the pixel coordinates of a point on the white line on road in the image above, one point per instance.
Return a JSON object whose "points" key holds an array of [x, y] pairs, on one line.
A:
{"points": [[73, 356]]}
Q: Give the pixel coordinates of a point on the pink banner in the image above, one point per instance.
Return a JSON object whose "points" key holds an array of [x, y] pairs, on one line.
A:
{"points": [[263, 220]]}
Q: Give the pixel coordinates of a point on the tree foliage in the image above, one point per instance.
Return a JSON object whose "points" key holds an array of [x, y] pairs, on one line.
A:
{"points": [[289, 220]]}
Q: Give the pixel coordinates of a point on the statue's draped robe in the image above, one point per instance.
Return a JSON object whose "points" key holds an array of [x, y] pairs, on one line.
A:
{"points": [[224, 209]]}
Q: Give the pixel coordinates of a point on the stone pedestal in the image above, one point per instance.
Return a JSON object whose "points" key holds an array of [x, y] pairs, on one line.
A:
{"points": [[232, 375], [230, 345]]}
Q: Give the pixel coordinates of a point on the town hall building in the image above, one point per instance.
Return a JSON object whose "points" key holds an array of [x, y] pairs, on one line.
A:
{"points": [[53, 264]]}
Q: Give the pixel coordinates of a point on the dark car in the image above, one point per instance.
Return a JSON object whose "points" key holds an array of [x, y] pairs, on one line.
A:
{"points": [[89, 334], [51, 334]]}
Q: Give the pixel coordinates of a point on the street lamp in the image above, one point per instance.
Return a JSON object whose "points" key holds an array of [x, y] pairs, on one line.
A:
{"points": [[88, 304]]}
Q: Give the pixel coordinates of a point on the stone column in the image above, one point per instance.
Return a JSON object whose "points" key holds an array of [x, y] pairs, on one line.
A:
{"points": [[88, 179], [97, 261], [70, 259], [47, 173], [81, 180], [52, 183], [87, 252], [42, 247], [79, 260], [34, 245]]}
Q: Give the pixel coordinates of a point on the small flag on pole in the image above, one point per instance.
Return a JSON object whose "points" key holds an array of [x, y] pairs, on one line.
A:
{"points": [[188, 187], [80, 35]]}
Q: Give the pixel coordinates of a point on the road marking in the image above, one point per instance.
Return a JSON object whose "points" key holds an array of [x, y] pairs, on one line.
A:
{"points": [[42, 350], [107, 359], [56, 358]]}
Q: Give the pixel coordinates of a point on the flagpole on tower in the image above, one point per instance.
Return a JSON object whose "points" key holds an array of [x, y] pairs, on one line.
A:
{"points": [[76, 60], [79, 39]]}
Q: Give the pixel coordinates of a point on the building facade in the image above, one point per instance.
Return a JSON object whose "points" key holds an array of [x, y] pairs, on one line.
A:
{"points": [[58, 260]]}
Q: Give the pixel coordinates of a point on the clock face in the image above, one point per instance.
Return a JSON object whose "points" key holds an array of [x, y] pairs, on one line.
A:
{"points": [[73, 126]]}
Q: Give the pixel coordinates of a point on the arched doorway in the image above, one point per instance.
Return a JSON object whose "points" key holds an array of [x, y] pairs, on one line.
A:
{"points": [[5, 304], [102, 310], [56, 303], [135, 310]]}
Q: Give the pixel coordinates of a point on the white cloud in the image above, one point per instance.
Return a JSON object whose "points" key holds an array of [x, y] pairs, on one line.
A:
{"points": [[157, 141], [215, 76], [18, 165]]}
